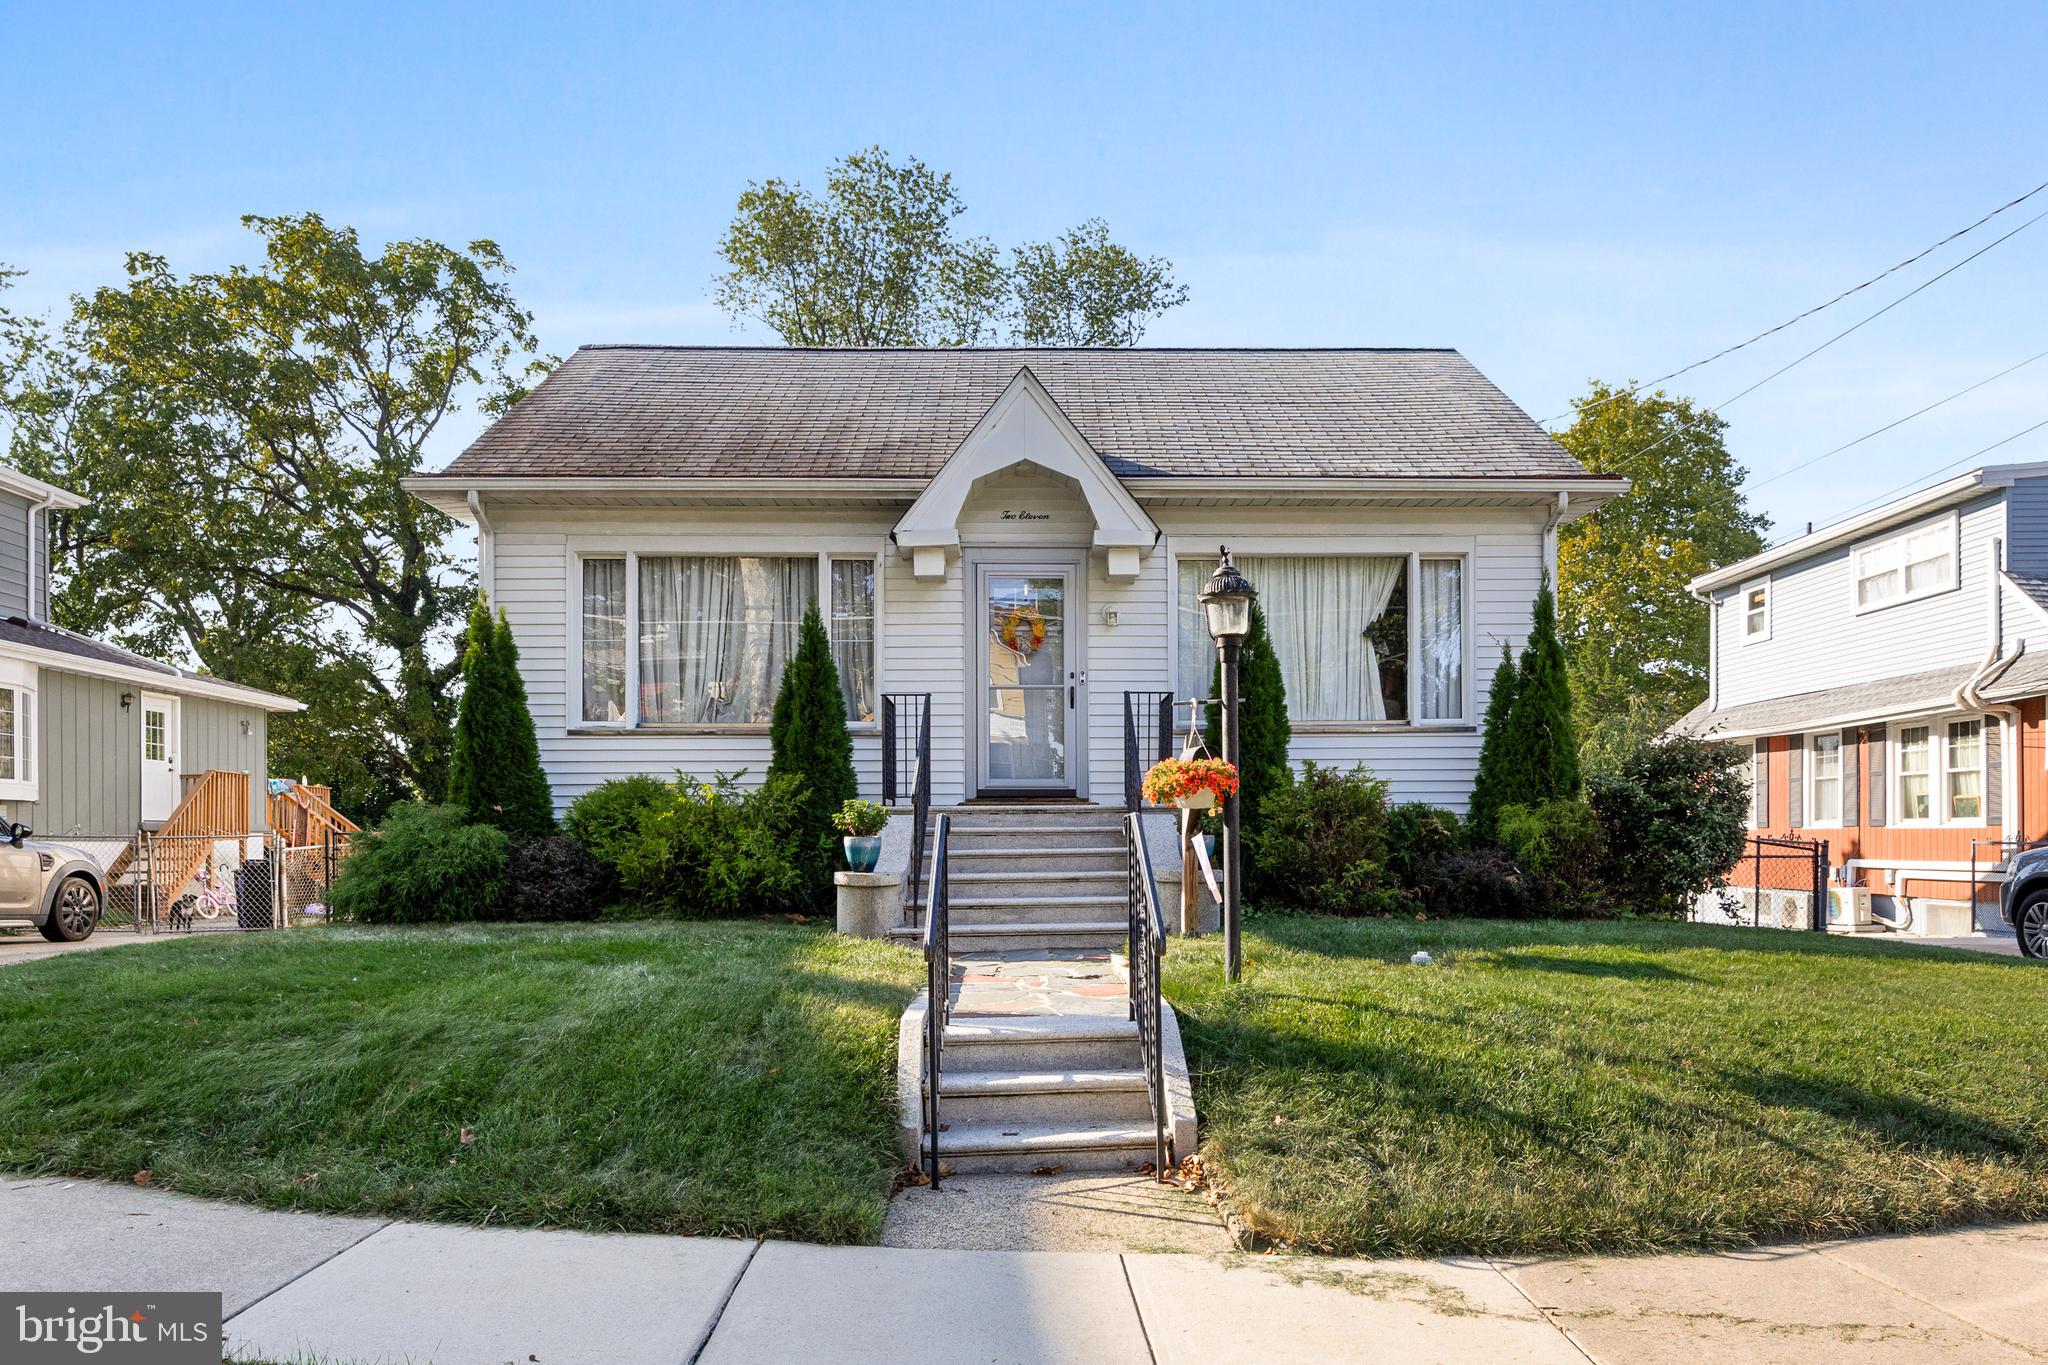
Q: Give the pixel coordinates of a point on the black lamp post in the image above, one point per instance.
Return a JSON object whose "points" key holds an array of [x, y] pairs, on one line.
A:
{"points": [[1227, 602]]}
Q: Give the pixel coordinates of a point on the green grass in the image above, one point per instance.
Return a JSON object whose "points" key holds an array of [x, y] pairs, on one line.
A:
{"points": [[1613, 1086], [730, 1079]]}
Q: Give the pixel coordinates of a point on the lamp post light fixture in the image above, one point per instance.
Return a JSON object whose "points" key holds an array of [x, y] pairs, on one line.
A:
{"points": [[1227, 602]]}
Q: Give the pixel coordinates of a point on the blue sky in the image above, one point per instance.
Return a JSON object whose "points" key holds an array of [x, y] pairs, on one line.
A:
{"points": [[1561, 192]]}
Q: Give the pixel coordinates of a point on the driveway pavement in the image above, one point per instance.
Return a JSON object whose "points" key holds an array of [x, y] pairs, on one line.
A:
{"points": [[29, 945], [351, 1291]]}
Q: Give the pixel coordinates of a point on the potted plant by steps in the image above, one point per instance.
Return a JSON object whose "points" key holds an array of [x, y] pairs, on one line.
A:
{"points": [[1190, 783], [861, 822]]}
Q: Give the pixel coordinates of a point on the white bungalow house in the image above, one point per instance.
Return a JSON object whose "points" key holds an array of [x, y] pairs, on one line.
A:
{"points": [[1019, 534]]}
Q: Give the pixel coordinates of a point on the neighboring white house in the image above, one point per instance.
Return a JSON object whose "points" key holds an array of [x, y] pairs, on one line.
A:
{"points": [[1888, 673], [1018, 533]]}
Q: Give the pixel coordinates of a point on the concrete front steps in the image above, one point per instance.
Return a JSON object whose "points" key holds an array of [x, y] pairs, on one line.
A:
{"points": [[1027, 875], [1043, 1092]]}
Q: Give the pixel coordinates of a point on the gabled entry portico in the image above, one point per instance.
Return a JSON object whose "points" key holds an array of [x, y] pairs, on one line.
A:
{"points": [[1025, 513]]}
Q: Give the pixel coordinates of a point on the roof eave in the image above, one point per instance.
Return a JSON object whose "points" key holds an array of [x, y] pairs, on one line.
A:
{"points": [[1933, 499], [185, 684]]}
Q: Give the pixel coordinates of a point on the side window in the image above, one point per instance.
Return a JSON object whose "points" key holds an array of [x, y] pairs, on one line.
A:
{"points": [[1756, 611]]}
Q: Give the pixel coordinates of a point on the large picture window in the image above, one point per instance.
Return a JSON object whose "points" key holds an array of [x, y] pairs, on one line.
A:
{"points": [[1359, 637], [710, 634]]}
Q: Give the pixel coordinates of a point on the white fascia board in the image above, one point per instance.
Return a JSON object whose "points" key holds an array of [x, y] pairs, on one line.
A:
{"points": [[184, 684], [1587, 492], [1945, 494], [35, 490]]}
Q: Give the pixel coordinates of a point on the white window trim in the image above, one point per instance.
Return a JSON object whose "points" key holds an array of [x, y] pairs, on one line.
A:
{"points": [[1759, 759], [1938, 771], [1812, 780], [1742, 610], [1414, 550], [632, 550], [1951, 520], [1948, 770], [23, 679]]}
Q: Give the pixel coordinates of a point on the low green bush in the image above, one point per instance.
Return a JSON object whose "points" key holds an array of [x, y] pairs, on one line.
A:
{"points": [[1560, 841], [1675, 816], [1418, 834], [606, 819], [711, 850], [1481, 883], [1321, 843], [423, 865], [552, 877]]}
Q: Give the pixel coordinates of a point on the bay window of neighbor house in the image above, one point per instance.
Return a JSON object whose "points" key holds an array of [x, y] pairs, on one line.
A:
{"points": [[1359, 637], [1963, 771], [1941, 772], [714, 633], [1916, 797]]}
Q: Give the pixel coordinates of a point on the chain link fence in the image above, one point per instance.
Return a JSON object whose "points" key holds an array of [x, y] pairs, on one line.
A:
{"points": [[202, 883], [1778, 884]]}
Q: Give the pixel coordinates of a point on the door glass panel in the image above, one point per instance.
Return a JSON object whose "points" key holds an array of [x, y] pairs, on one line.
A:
{"points": [[1027, 678], [154, 730]]}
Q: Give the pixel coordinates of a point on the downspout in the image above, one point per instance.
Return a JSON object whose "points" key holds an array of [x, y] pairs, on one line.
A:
{"points": [[1970, 697], [42, 510], [486, 561], [1550, 525]]}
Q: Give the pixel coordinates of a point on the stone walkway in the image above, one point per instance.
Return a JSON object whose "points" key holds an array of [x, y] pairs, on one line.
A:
{"points": [[354, 1291], [1038, 981]]}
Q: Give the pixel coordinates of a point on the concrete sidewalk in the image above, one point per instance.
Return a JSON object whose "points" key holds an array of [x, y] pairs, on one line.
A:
{"points": [[350, 1291]]}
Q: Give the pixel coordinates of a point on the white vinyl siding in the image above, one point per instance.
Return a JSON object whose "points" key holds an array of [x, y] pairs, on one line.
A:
{"points": [[1817, 640], [922, 631]]}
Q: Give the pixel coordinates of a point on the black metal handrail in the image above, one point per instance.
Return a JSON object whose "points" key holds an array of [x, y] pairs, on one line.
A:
{"points": [[938, 983], [1148, 737], [1147, 944], [901, 743]]}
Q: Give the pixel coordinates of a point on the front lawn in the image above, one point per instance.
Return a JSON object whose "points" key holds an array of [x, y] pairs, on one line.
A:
{"points": [[662, 1077], [1610, 1086]]}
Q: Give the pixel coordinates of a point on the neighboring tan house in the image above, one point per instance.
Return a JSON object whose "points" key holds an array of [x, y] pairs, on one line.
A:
{"points": [[98, 744], [1888, 674], [1021, 535]]}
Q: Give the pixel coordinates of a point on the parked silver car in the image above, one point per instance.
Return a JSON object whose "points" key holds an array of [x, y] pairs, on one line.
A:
{"points": [[2023, 900], [58, 889]]}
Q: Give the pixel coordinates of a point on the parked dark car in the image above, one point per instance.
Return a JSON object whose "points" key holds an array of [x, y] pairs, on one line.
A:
{"points": [[2023, 900], [54, 887]]}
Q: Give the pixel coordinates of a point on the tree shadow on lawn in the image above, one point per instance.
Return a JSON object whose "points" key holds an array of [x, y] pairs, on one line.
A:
{"points": [[1892, 1120], [1627, 970]]}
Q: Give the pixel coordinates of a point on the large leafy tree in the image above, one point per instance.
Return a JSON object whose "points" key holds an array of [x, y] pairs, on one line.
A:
{"points": [[242, 436], [1635, 639], [877, 261]]}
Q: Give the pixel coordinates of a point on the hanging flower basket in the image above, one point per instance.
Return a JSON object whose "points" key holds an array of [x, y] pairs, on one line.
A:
{"points": [[1190, 783]]}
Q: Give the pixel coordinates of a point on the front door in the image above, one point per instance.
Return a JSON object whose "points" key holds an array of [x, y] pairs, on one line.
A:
{"points": [[162, 735], [1030, 678]]}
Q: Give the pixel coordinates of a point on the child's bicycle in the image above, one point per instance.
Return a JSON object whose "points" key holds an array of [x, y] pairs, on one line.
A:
{"points": [[213, 899]]}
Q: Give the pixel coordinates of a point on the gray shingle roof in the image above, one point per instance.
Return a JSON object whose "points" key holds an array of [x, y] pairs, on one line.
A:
{"points": [[2023, 675], [16, 630], [653, 411]]}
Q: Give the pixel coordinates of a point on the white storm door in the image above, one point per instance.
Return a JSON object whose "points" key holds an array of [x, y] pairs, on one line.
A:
{"points": [[163, 734], [1028, 677]]}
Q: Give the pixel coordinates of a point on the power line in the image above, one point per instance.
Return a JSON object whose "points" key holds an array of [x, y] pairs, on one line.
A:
{"points": [[1827, 454], [1915, 482], [1872, 317], [1819, 307]]}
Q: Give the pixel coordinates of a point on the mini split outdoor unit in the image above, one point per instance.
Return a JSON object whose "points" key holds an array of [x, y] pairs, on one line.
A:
{"points": [[1849, 908]]}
